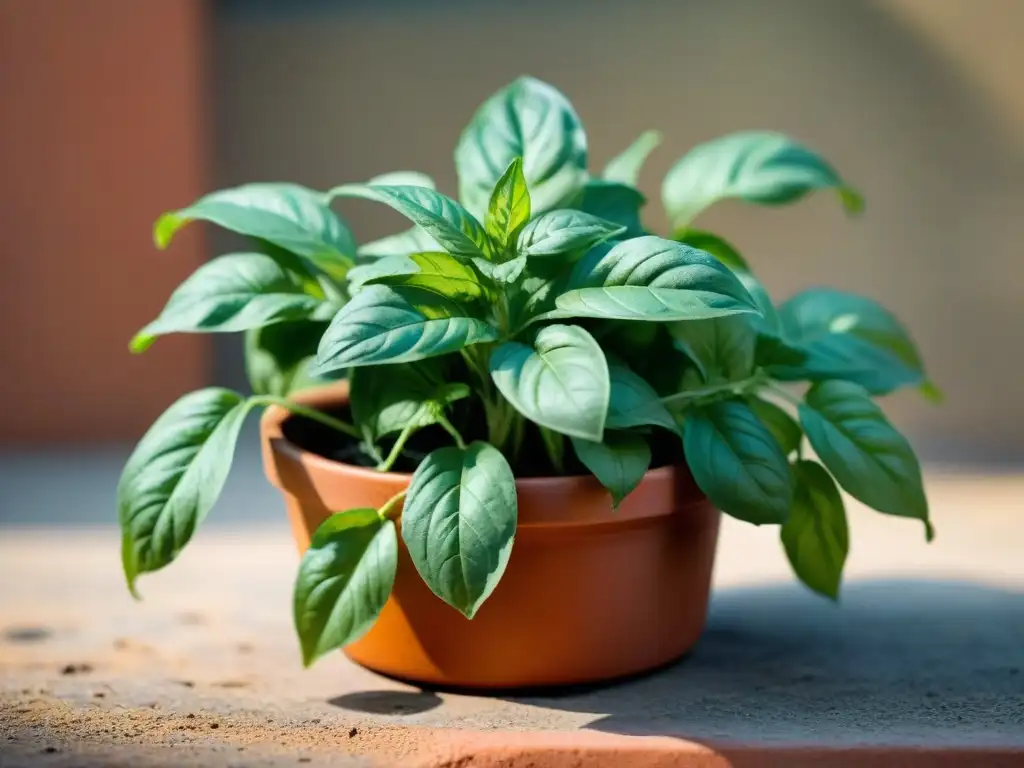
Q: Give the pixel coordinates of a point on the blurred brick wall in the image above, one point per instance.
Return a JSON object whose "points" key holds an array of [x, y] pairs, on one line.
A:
{"points": [[100, 130]]}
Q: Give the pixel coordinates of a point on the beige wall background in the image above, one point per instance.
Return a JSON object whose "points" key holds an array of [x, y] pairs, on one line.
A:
{"points": [[918, 102]]}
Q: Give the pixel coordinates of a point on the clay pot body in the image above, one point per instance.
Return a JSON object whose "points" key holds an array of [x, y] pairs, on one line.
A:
{"points": [[589, 594]]}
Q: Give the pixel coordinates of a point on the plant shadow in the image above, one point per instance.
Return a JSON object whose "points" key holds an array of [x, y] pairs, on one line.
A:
{"points": [[900, 661]]}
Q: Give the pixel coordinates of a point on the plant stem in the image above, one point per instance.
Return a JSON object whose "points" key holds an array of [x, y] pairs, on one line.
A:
{"points": [[736, 387], [396, 449], [386, 508], [309, 413], [451, 430], [785, 395]]}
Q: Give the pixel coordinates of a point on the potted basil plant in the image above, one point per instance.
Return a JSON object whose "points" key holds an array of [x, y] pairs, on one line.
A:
{"points": [[504, 435]]}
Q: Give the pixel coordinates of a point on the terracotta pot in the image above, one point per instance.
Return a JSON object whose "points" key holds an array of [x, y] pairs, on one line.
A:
{"points": [[589, 594]]}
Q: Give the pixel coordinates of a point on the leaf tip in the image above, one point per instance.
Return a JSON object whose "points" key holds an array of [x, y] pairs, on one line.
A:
{"points": [[165, 227], [853, 201], [141, 342], [929, 531]]}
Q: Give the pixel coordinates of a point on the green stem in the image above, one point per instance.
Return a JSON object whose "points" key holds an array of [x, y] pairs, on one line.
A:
{"points": [[396, 449], [785, 395], [386, 509], [451, 430], [309, 413], [735, 387]]}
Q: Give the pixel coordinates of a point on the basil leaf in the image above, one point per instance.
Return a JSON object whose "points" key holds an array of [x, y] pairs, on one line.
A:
{"points": [[755, 166], [451, 225], [649, 278], [717, 246], [850, 337], [633, 402], [617, 203], [561, 232], [403, 179], [459, 523], [345, 578], [385, 399], [619, 463], [867, 456], [174, 477], [625, 167], [277, 356], [231, 293], [737, 463], [397, 324], [533, 299], [437, 272], [531, 120], [504, 273], [722, 348], [561, 383], [413, 240], [784, 428], [292, 217], [815, 536], [509, 207]]}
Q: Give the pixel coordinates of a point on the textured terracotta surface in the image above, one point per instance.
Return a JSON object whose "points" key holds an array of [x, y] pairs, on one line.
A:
{"points": [[921, 665], [634, 581]]}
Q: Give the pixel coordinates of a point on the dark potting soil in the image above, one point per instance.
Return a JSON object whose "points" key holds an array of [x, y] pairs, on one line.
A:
{"points": [[532, 460]]}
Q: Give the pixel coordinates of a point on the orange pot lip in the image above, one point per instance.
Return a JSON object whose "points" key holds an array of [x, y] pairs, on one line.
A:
{"points": [[670, 480]]}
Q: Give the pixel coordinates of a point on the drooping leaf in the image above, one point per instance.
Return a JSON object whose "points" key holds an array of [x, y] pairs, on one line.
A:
{"points": [[292, 217], [345, 577], [784, 428], [815, 535], [385, 399], [561, 383], [648, 278], [633, 402], [615, 202], [722, 348], [564, 232], [277, 357], [235, 292], [867, 456], [397, 324], [619, 462], [850, 337], [174, 476], [625, 167], [452, 226], [531, 120], [459, 523], [737, 463], [440, 273], [509, 207], [755, 166]]}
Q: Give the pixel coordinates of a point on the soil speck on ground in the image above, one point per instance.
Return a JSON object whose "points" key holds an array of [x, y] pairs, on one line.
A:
{"points": [[76, 669], [26, 634]]}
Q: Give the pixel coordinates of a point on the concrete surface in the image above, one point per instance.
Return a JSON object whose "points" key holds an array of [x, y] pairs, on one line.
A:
{"points": [[926, 652]]}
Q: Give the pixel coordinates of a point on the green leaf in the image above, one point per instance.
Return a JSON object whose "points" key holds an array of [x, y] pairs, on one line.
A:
{"points": [[755, 166], [397, 324], [649, 278], [615, 202], [850, 337], [447, 222], [439, 273], [564, 232], [717, 246], [386, 399], [504, 273], [619, 463], [784, 428], [174, 476], [737, 463], [722, 348], [403, 179], [815, 536], [561, 383], [291, 217], [532, 299], [235, 292], [867, 456], [459, 523], [413, 240], [531, 120], [345, 578], [625, 168], [277, 357], [633, 402], [509, 207]]}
